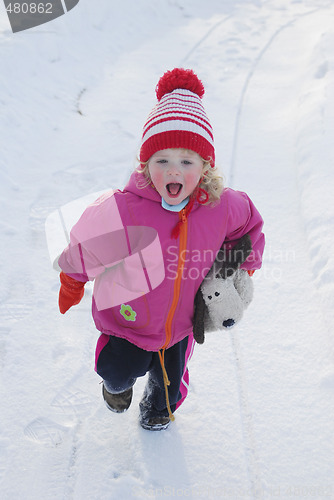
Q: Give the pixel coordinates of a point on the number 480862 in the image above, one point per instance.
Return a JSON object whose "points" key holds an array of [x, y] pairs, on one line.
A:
{"points": [[31, 8]]}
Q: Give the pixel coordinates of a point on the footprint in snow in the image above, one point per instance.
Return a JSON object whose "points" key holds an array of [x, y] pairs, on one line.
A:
{"points": [[74, 403], [70, 405], [45, 431]]}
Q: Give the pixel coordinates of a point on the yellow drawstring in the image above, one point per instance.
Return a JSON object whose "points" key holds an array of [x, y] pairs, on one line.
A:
{"points": [[166, 382]]}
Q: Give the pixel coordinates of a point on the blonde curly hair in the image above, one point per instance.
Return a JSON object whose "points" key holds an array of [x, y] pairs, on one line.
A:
{"points": [[211, 182]]}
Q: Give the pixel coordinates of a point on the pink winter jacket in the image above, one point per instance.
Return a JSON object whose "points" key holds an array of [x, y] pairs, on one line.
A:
{"points": [[145, 281]]}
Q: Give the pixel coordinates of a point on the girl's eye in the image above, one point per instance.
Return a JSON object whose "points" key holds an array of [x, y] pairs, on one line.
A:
{"points": [[162, 161], [187, 162]]}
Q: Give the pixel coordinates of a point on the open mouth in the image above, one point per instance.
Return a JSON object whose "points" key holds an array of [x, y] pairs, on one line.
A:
{"points": [[174, 189]]}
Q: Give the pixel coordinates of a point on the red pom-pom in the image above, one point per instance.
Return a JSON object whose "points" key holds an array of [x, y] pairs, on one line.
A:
{"points": [[179, 78]]}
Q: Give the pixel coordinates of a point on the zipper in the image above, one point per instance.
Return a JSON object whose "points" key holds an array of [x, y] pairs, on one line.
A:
{"points": [[178, 280], [171, 312]]}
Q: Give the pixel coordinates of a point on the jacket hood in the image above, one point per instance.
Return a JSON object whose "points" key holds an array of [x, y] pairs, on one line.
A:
{"points": [[149, 192], [134, 186]]}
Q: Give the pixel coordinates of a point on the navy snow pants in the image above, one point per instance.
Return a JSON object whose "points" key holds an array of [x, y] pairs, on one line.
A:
{"points": [[120, 363]]}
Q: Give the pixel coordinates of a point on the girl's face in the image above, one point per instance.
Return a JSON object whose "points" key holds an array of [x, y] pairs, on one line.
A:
{"points": [[175, 173]]}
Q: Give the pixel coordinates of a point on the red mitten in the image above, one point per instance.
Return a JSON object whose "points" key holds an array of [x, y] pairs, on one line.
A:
{"points": [[70, 293]]}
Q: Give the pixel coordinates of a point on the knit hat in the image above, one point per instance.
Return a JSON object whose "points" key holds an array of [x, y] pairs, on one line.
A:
{"points": [[178, 120]]}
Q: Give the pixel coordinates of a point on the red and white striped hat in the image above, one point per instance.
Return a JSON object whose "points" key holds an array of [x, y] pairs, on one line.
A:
{"points": [[178, 120]]}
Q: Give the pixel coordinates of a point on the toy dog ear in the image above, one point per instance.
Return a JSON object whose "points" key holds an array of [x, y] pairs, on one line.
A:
{"points": [[232, 259], [198, 321]]}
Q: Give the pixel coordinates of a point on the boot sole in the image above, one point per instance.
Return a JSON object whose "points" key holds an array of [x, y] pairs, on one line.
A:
{"points": [[154, 427], [114, 409]]}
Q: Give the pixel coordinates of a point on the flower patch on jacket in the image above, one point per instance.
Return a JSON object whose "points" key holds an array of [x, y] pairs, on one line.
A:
{"points": [[128, 313]]}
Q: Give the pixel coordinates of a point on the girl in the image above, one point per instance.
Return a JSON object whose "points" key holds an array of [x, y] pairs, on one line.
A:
{"points": [[148, 249]]}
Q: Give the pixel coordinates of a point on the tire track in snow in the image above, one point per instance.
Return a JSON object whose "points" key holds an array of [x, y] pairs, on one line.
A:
{"points": [[77, 406], [246, 85], [205, 37], [72, 468], [246, 416]]}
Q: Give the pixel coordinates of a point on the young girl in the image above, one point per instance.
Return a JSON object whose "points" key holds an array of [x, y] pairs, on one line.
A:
{"points": [[148, 249]]}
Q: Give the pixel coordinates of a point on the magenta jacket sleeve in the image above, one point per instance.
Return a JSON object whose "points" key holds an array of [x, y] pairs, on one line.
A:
{"points": [[244, 218]]}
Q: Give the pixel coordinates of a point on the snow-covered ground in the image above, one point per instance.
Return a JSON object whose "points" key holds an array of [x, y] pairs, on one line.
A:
{"points": [[74, 94]]}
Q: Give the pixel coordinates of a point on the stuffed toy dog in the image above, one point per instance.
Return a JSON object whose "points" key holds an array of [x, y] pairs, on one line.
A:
{"points": [[225, 291]]}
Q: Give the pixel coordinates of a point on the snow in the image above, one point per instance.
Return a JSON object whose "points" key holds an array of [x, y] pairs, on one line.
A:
{"points": [[74, 94]]}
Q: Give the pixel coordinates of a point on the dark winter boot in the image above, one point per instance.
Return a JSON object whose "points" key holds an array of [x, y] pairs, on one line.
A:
{"points": [[150, 418], [154, 423], [117, 402]]}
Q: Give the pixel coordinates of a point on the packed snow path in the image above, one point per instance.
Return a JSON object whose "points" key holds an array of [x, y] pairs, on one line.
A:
{"points": [[258, 422]]}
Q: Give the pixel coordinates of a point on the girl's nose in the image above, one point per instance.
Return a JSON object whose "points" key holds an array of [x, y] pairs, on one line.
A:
{"points": [[173, 169]]}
